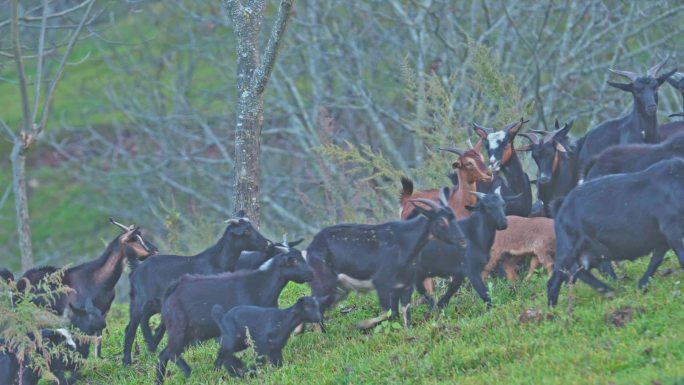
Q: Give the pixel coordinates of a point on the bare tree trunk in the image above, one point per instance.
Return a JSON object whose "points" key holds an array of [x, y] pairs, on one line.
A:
{"points": [[252, 77], [18, 158], [33, 119]]}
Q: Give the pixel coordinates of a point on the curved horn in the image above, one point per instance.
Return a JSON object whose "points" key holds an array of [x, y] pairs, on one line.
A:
{"points": [[455, 150], [653, 71], [433, 205], [531, 137], [677, 114], [122, 226], [629, 75], [515, 125]]}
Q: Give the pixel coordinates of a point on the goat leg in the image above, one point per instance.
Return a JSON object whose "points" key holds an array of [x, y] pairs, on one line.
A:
{"points": [[422, 291], [606, 269], [455, 284], [588, 278], [656, 260], [161, 366], [480, 288]]}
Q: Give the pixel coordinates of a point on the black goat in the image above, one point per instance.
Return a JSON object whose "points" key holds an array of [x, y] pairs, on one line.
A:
{"points": [[440, 259], [150, 280], [87, 318], [378, 257], [515, 184], [641, 125], [186, 309], [556, 161], [250, 260], [634, 157], [613, 218], [6, 275], [269, 329]]}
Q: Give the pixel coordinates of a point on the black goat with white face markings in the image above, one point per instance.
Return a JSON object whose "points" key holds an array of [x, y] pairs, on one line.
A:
{"points": [[510, 176]]}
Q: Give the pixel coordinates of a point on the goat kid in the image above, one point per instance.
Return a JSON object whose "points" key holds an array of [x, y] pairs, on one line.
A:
{"points": [[524, 237], [186, 310], [150, 280], [268, 328]]}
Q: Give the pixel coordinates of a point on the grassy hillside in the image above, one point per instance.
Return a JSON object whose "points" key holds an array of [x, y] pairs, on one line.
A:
{"points": [[635, 338]]}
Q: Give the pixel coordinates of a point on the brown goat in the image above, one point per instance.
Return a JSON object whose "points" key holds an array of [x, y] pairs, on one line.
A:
{"points": [[470, 169], [524, 237]]}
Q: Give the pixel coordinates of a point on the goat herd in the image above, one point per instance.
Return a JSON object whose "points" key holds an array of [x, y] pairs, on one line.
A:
{"points": [[615, 194]]}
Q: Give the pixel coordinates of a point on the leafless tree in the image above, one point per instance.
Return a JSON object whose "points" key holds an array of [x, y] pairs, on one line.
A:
{"points": [[253, 73], [341, 80], [50, 57]]}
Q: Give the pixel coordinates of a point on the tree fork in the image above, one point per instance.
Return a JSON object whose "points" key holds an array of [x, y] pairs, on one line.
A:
{"points": [[252, 77]]}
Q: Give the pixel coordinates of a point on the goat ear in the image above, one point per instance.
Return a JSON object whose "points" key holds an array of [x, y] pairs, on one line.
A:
{"points": [[480, 131], [560, 135], [560, 147], [662, 78], [295, 243], [621, 86], [127, 236]]}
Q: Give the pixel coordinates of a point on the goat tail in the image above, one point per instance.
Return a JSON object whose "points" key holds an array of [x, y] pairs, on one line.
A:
{"points": [[406, 189], [217, 314]]}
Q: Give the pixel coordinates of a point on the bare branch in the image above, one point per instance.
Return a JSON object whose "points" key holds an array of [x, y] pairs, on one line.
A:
{"points": [[263, 72], [21, 71], [60, 70], [39, 65]]}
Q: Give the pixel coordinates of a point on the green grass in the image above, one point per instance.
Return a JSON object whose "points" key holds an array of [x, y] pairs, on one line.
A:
{"points": [[577, 344], [65, 227]]}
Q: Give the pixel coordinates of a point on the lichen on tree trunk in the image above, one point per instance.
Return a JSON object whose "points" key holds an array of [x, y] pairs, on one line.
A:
{"points": [[252, 76]]}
